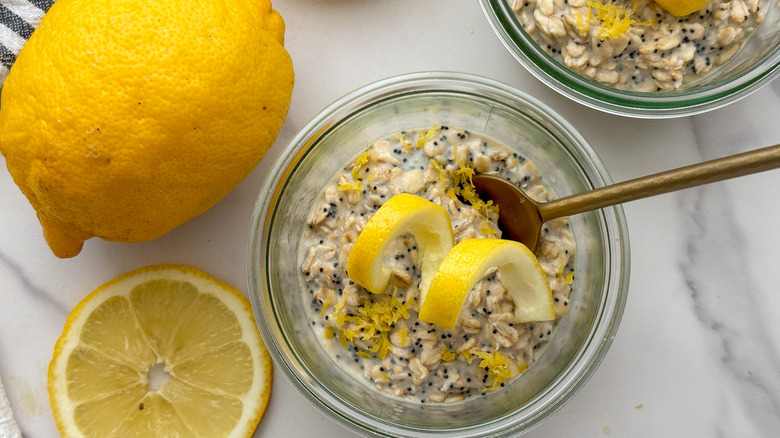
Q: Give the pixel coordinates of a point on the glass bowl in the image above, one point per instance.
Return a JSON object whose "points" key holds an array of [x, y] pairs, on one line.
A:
{"points": [[755, 64], [336, 136]]}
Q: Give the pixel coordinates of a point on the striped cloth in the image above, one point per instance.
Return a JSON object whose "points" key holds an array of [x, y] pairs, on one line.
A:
{"points": [[18, 19]]}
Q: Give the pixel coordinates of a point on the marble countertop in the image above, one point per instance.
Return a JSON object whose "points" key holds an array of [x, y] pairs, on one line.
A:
{"points": [[698, 349]]}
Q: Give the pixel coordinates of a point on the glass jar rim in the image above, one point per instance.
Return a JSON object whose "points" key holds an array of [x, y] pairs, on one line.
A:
{"points": [[330, 402], [619, 102]]}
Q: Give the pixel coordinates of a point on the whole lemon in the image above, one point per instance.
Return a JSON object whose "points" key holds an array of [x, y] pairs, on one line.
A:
{"points": [[123, 119]]}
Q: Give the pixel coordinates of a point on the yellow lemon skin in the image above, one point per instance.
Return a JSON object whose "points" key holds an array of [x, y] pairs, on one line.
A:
{"points": [[466, 264], [123, 120], [428, 222], [201, 330], [681, 8]]}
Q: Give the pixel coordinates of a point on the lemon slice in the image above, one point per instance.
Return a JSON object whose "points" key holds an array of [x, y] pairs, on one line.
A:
{"points": [[467, 263], [164, 350], [430, 225], [681, 8]]}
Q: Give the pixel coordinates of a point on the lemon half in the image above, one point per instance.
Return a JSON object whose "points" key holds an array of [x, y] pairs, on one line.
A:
{"points": [[430, 225], [164, 350], [466, 264]]}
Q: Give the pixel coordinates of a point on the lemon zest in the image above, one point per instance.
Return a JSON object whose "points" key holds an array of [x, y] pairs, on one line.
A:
{"points": [[447, 355], [339, 311], [329, 332], [442, 174], [405, 142], [408, 305], [464, 187], [582, 28], [570, 277], [325, 305], [343, 339], [359, 163], [614, 20], [363, 354], [369, 333], [372, 322], [464, 171], [375, 347], [496, 365], [380, 348], [522, 367], [354, 185], [487, 229], [349, 334], [427, 136]]}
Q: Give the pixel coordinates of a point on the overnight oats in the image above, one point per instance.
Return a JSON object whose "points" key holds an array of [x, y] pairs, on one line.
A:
{"points": [[636, 45], [379, 336]]}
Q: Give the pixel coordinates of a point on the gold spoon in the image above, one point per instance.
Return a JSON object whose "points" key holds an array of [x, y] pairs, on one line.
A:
{"points": [[521, 218]]}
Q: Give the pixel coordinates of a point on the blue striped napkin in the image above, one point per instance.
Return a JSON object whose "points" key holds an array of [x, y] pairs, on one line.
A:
{"points": [[18, 19]]}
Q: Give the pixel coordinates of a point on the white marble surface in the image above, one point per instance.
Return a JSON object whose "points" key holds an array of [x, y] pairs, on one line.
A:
{"points": [[698, 350]]}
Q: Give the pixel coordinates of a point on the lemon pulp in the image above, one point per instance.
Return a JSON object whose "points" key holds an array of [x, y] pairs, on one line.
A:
{"points": [[161, 351]]}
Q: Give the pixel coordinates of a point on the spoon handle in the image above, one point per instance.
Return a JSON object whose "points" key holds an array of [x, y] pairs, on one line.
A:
{"points": [[732, 166]]}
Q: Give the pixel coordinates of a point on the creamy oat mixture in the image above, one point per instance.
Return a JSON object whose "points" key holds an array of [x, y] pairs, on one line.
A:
{"points": [[658, 52], [379, 335]]}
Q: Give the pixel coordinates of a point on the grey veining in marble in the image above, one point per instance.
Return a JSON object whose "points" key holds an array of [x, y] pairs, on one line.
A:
{"points": [[732, 309]]}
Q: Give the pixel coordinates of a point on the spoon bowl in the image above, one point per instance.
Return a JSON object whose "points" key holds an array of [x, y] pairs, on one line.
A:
{"points": [[521, 218]]}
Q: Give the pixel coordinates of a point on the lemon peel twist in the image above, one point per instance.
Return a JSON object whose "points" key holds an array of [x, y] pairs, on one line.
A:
{"points": [[428, 222]]}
